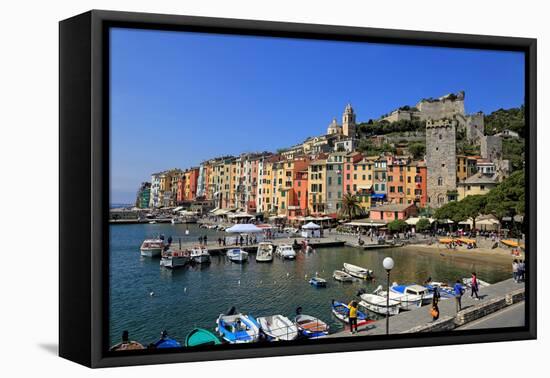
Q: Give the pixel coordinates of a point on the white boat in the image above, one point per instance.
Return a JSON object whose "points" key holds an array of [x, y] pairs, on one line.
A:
{"points": [[264, 252], [357, 271], [342, 276], [152, 247], [238, 328], [237, 255], [176, 220], [311, 327], [286, 251], [200, 255], [480, 283], [414, 291], [278, 327], [174, 259], [378, 304]]}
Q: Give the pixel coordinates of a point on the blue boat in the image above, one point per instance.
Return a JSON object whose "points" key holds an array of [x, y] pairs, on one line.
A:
{"points": [[341, 311], [413, 292], [311, 327], [318, 282], [238, 328], [166, 342], [199, 337], [444, 291]]}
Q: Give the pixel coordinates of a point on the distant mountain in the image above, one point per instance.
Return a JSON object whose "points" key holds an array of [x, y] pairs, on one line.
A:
{"points": [[119, 205]]}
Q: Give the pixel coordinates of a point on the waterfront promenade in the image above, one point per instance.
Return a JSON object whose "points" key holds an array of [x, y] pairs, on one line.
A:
{"points": [[420, 320]]}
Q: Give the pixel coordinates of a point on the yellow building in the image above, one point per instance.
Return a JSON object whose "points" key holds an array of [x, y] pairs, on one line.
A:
{"points": [[477, 184], [317, 187], [465, 166], [362, 180]]}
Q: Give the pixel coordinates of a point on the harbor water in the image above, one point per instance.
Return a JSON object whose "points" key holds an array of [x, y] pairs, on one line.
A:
{"points": [[146, 298]]}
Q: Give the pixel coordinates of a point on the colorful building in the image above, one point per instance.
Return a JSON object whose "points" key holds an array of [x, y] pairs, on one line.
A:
{"points": [[316, 182], [392, 212], [143, 195], [465, 166], [479, 183]]}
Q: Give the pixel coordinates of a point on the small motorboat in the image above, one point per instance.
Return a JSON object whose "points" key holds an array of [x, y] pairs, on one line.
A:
{"points": [[379, 304], [414, 291], [406, 301], [357, 271], [444, 290], [176, 220], [264, 252], [200, 337], [200, 255], [286, 252], [318, 282], [152, 247], [480, 283], [278, 327], [126, 344], [341, 311], [342, 276], [311, 327], [166, 342], [238, 328], [237, 255], [174, 259]]}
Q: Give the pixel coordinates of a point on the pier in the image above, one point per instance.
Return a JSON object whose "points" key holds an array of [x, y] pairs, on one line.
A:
{"points": [[494, 298]]}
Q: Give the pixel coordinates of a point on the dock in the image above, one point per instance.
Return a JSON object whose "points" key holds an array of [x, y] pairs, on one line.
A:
{"points": [[494, 298]]}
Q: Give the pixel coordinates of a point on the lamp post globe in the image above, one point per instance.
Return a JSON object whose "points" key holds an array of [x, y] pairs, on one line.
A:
{"points": [[388, 263]]}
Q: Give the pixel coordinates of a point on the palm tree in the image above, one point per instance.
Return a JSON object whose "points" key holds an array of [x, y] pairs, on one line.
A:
{"points": [[350, 205]]}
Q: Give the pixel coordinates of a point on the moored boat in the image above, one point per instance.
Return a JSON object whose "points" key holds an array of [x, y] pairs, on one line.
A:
{"points": [[406, 301], [126, 344], [278, 327], [200, 255], [341, 311], [318, 282], [310, 326], [414, 291], [174, 258], [379, 304], [152, 247], [200, 337], [166, 341], [286, 252], [237, 255], [238, 328], [480, 283], [357, 271], [264, 252], [342, 276]]}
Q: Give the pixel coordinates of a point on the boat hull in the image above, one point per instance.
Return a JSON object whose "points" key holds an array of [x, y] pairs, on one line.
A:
{"points": [[150, 252], [173, 262]]}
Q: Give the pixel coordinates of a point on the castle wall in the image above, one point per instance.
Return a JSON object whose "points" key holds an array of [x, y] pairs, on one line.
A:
{"points": [[440, 161], [491, 147], [439, 109]]}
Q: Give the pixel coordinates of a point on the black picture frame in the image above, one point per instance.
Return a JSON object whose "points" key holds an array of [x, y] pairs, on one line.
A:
{"points": [[84, 159]]}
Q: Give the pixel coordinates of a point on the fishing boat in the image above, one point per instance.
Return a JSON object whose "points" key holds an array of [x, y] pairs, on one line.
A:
{"points": [[311, 327], [445, 291], [174, 259], [264, 252], [414, 291], [126, 344], [357, 271], [238, 328], [278, 328], [200, 255], [200, 337], [166, 341], [379, 304], [286, 252], [237, 255], [480, 283], [342, 276], [341, 311], [318, 282], [406, 301], [152, 247]]}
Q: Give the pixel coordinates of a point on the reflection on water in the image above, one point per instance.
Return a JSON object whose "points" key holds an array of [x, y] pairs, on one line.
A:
{"points": [[194, 296]]}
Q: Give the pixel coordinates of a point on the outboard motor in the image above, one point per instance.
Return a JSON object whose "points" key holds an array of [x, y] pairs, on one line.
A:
{"points": [[361, 291], [232, 311], [299, 310]]}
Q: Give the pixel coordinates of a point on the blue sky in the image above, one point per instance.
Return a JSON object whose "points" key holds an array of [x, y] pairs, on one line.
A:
{"points": [[179, 98]]}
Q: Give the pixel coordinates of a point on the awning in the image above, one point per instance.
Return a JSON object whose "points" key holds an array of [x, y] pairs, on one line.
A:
{"points": [[378, 196], [367, 223], [311, 226], [244, 228], [414, 220], [240, 215]]}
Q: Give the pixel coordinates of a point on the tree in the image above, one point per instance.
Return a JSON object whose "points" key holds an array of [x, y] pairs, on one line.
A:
{"points": [[508, 198], [452, 210], [350, 205], [417, 149], [423, 225], [473, 206], [397, 225]]}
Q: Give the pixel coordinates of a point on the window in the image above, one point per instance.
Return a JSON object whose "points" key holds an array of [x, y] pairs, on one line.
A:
{"points": [[347, 176], [339, 180], [329, 195], [347, 188], [408, 179], [408, 191], [440, 136], [383, 187], [363, 177], [355, 176], [339, 194], [440, 181], [482, 187], [354, 187], [329, 180], [400, 189], [390, 178], [392, 189]]}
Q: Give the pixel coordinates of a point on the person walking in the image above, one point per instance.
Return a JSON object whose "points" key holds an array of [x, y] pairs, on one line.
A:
{"points": [[352, 317], [436, 296], [521, 271], [458, 291], [205, 240], [515, 269], [475, 287]]}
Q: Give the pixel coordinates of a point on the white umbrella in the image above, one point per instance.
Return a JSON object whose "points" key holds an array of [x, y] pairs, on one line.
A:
{"points": [[243, 228], [311, 226]]}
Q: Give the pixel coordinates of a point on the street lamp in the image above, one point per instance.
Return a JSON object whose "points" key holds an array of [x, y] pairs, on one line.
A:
{"points": [[388, 263]]}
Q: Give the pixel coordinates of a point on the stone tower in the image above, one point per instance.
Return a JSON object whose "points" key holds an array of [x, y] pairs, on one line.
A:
{"points": [[348, 122], [441, 161]]}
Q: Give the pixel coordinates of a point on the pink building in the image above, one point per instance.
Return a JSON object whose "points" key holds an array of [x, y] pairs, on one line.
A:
{"points": [[392, 212]]}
